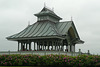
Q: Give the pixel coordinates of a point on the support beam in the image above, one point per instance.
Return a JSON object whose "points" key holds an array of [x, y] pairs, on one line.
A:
{"points": [[26, 46], [55, 46], [18, 46], [34, 46], [52, 45], [21, 46], [68, 48], [30, 46], [62, 47], [59, 47], [73, 48], [37, 46], [43, 45], [47, 45]]}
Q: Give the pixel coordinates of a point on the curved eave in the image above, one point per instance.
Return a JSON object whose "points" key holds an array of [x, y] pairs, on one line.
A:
{"points": [[79, 42], [27, 38]]}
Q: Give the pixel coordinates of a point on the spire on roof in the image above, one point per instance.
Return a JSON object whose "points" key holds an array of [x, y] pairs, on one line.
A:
{"points": [[47, 14], [44, 4], [53, 9], [71, 18], [28, 23]]}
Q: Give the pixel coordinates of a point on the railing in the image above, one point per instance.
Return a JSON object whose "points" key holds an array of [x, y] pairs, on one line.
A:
{"points": [[45, 53], [40, 53]]}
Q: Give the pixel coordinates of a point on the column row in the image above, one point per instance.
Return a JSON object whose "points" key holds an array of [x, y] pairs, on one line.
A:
{"points": [[55, 46], [24, 46]]}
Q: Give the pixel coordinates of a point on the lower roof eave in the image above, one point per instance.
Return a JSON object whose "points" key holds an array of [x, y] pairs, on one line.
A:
{"points": [[79, 42], [16, 39]]}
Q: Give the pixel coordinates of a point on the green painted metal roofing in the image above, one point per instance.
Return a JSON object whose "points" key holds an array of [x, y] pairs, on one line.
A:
{"points": [[43, 29], [63, 27]]}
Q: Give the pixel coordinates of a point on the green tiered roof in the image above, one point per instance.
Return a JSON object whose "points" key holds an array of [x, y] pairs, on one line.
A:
{"points": [[47, 26]]}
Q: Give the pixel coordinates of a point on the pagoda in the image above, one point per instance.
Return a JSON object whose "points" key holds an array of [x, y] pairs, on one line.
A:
{"points": [[48, 34]]}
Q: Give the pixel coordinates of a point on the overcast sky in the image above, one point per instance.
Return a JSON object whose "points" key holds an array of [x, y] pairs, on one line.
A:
{"points": [[15, 14]]}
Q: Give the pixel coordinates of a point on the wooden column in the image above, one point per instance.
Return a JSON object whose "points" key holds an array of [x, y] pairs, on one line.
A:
{"points": [[18, 46], [47, 45], [26, 46], [62, 47], [52, 45], [43, 45], [21, 46], [68, 48], [34, 45], [30, 46], [73, 48], [37, 46], [57, 45]]}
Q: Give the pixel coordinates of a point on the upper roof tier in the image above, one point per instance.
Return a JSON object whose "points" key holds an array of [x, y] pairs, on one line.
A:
{"points": [[47, 14]]}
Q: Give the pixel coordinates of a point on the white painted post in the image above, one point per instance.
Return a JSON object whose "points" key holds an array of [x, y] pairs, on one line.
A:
{"points": [[68, 48], [88, 52], [43, 45], [55, 46], [37, 46], [63, 48], [18, 46], [29, 46], [79, 51], [47, 45], [52, 45], [9, 52], [21, 46], [34, 46], [73, 48], [26, 46]]}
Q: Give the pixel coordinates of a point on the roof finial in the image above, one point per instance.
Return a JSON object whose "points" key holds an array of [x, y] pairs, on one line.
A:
{"points": [[71, 18], [52, 8], [28, 23], [44, 4]]}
